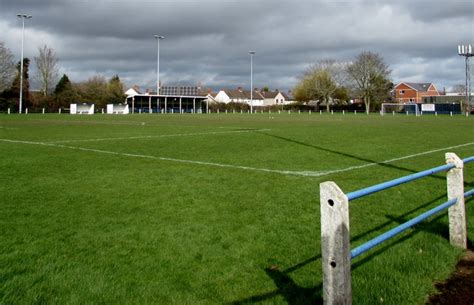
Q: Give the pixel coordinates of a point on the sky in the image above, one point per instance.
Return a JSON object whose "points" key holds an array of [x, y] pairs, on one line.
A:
{"points": [[207, 42]]}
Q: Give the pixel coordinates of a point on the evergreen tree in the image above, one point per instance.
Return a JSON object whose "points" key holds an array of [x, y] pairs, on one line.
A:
{"points": [[10, 97], [64, 93], [115, 91], [63, 84]]}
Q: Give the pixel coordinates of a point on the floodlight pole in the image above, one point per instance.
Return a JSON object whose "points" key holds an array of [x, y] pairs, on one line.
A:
{"points": [[158, 38], [252, 53], [466, 51], [23, 17]]}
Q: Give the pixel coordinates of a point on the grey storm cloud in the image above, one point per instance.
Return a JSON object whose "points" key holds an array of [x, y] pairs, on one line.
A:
{"points": [[208, 41]]}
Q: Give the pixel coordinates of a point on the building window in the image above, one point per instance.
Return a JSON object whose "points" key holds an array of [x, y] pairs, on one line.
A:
{"points": [[402, 91]]}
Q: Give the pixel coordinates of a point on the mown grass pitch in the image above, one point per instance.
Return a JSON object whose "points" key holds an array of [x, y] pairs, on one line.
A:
{"points": [[213, 209]]}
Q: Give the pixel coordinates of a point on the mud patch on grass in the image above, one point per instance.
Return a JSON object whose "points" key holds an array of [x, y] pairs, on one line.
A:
{"points": [[459, 288]]}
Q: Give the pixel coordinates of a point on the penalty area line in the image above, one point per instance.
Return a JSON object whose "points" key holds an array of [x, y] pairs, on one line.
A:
{"points": [[282, 172], [159, 136], [221, 165]]}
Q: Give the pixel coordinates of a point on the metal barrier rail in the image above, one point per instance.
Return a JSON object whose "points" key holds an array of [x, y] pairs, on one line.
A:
{"points": [[385, 185], [335, 233], [403, 227]]}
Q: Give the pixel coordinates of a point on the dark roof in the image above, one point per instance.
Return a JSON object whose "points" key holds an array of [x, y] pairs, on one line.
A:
{"points": [[270, 94], [419, 86], [243, 94], [273, 94]]}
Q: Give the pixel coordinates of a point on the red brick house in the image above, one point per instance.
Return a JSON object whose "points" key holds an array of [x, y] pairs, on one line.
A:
{"points": [[414, 92]]}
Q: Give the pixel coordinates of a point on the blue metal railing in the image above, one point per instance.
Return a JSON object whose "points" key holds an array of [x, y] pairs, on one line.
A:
{"points": [[468, 160], [403, 227], [385, 185]]}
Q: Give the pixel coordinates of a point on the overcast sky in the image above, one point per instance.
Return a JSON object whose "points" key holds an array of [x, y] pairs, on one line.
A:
{"points": [[207, 41]]}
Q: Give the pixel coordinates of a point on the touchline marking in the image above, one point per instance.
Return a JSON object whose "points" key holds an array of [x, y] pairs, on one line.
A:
{"points": [[159, 136], [393, 160], [283, 172]]}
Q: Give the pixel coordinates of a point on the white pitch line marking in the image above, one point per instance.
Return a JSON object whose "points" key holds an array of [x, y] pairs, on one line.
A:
{"points": [[394, 159], [159, 136], [283, 172]]}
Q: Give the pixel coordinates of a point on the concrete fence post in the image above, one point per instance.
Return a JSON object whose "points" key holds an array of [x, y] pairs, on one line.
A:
{"points": [[335, 245], [457, 212]]}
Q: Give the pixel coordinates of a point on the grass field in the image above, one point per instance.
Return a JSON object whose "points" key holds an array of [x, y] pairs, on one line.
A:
{"points": [[217, 209]]}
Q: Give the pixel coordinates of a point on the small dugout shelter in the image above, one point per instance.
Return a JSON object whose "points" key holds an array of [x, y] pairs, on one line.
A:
{"points": [[118, 109], [84, 108]]}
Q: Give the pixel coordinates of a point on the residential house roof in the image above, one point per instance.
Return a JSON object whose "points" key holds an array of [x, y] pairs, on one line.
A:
{"points": [[243, 94], [273, 94], [422, 87]]}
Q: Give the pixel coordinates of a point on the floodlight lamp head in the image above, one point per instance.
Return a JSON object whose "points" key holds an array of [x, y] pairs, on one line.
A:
{"points": [[24, 16], [251, 52], [159, 37]]}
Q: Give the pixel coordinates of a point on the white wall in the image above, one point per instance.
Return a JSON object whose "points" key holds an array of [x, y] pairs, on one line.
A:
{"points": [[222, 97]]}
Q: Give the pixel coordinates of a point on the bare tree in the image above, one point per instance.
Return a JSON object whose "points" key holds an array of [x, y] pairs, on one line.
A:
{"points": [[47, 65], [370, 75], [460, 89], [336, 69], [7, 67], [321, 81]]}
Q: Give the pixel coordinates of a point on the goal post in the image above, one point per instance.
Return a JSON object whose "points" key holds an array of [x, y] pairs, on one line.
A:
{"points": [[400, 108]]}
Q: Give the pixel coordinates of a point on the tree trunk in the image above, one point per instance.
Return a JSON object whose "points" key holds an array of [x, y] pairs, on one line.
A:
{"points": [[367, 104]]}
